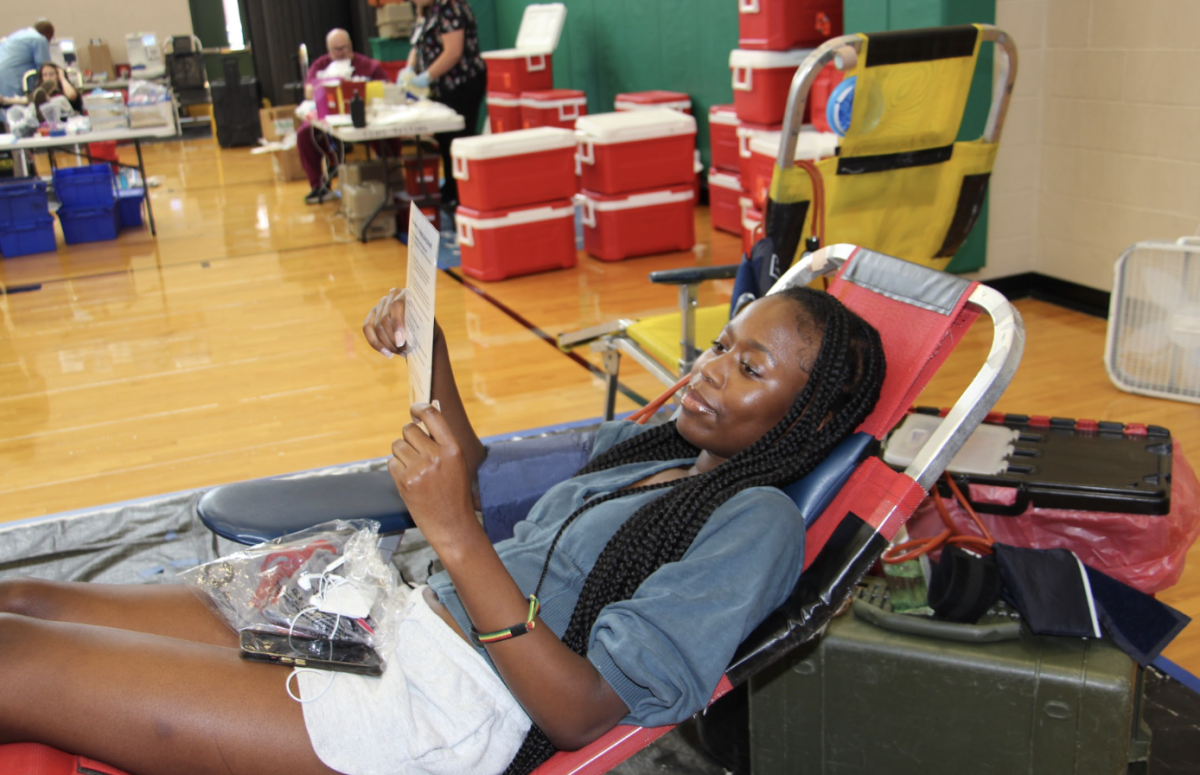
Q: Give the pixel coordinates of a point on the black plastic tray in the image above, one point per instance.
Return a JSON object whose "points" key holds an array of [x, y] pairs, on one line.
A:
{"points": [[1084, 465]]}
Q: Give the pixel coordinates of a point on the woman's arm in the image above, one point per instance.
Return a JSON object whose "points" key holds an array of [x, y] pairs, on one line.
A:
{"points": [[384, 329], [68, 89], [561, 691], [452, 50]]}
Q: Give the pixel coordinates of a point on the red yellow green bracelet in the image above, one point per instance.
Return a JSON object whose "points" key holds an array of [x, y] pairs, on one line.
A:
{"points": [[484, 638]]}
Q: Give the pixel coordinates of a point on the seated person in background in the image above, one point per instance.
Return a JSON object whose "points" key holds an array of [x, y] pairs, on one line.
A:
{"points": [[315, 146], [52, 81], [634, 582]]}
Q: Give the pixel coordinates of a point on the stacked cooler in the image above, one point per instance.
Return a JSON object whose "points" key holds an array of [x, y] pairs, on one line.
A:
{"points": [[528, 67], [637, 173], [774, 38], [658, 98], [25, 222], [89, 210], [515, 215]]}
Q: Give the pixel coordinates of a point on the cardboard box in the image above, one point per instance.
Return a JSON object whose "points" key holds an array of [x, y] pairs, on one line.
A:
{"points": [[287, 165], [277, 122], [100, 60]]}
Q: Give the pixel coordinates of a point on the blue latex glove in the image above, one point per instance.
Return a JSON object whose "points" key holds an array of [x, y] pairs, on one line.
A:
{"points": [[421, 80], [406, 75]]}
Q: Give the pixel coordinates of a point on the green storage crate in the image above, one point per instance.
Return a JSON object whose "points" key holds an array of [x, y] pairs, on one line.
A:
{"points": [[390, 49], [867, 700]]}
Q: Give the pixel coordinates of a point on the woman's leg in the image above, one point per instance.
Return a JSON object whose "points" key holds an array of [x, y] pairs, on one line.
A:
{"points": [[173, 611], [147, 703]]}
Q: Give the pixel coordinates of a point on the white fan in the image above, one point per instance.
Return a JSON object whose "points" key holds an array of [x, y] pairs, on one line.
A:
{"points": [[1153, 344]]}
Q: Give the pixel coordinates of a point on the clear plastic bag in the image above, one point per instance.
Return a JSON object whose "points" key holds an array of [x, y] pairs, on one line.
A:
{"points": [[22, 120], [326, 583]]}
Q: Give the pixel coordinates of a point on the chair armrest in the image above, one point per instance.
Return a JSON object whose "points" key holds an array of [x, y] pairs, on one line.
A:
{"points": [[690, 275], [264, 509]]}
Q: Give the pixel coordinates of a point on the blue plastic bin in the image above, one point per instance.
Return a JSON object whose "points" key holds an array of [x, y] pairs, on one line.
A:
{"points": [[130, 200], [81, 188], [32, 236], [22, 200], [92, 224]]}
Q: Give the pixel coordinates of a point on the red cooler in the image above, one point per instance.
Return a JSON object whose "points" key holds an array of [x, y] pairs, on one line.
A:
{"points": [[515, 168], [513, 71], [724, 191], [504, 111], [752, 223], [640, 100], [421, 178], [761, 80], [556, 107], [722, 136], [764, 148], [778, 25], [636, 150], [638, 224], [497, 244], [528, 66]]}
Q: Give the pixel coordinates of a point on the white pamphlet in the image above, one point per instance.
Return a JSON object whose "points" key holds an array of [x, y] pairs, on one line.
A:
{"points": [[423, 241]]}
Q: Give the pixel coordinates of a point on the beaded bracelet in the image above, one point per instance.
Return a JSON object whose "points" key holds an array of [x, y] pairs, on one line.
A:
{"points": [[484, 638]]}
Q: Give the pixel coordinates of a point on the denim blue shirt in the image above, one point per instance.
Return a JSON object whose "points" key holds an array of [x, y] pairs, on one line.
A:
{"points": [[20, 52], [664, 650]]}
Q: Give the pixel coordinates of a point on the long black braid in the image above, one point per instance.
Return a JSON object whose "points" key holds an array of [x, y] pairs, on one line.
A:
{"points": [[842, 390]]}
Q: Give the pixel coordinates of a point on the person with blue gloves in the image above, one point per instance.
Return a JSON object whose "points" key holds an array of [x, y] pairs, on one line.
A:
{"points": [[445, 59], [24, 50]]}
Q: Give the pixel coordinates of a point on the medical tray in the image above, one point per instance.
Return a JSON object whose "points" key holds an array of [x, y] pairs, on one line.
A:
{"points": [[1057, 463]]}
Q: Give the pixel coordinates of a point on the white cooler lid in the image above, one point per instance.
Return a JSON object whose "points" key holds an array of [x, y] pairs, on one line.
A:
{"points": [[541, 27], [722, 114], [765, 60], [724, 180], [514, 217], [810, 144], [504, 99], [542, 138], [630, 125]]}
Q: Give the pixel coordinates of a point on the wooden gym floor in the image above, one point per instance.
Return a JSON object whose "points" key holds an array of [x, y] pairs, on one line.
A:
{"points": [[230, 348]]}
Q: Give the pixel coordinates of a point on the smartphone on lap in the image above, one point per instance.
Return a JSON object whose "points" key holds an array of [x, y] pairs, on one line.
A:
{"points": [[299, 651]]}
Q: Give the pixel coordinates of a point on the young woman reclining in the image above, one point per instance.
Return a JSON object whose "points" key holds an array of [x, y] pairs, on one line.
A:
{"points": [[650, 566]]}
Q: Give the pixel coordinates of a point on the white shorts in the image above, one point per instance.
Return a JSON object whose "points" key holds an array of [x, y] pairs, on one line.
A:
{"points": [[438, 708]]}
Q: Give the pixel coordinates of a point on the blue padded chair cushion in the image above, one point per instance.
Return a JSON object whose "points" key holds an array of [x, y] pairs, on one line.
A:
{"points": [[516, 473], [815, 492], [264, 509]]}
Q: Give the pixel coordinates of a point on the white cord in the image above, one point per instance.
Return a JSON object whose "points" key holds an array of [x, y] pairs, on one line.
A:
{"points": [[296, 671]]}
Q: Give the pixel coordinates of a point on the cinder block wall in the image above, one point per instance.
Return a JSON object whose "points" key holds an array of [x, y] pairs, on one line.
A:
{"points": [[1102, 147]]}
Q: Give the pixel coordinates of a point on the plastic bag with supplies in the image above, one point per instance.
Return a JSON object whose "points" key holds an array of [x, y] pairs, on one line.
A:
{"points": [[326, 584]]}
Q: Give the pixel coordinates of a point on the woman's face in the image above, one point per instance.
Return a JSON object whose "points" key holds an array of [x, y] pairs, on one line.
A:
{"points": [[745, 383], [49, 74]]}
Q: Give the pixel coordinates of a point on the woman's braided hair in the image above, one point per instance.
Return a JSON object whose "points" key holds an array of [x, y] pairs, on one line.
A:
{"points": [[842, 390]]}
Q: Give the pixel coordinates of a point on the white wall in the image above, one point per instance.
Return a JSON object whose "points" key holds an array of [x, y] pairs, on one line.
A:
{"points": [[109, 20], [1102, 144]]}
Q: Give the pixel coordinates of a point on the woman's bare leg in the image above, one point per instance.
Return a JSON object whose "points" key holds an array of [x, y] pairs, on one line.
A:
{"points": [[146, 703], [156, 609]]}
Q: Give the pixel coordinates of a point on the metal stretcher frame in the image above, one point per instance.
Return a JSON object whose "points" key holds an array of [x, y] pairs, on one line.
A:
{"points": [[611, 340]]}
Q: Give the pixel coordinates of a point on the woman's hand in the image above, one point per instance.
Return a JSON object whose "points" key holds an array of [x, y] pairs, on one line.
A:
{"points": [[384, 326], [434, 478]]}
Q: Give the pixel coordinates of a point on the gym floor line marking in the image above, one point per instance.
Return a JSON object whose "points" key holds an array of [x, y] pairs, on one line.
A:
{"points": [[547, 338]]}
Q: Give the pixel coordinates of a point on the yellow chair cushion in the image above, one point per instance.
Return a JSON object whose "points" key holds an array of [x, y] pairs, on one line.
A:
{"points": [[659, 334]]}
